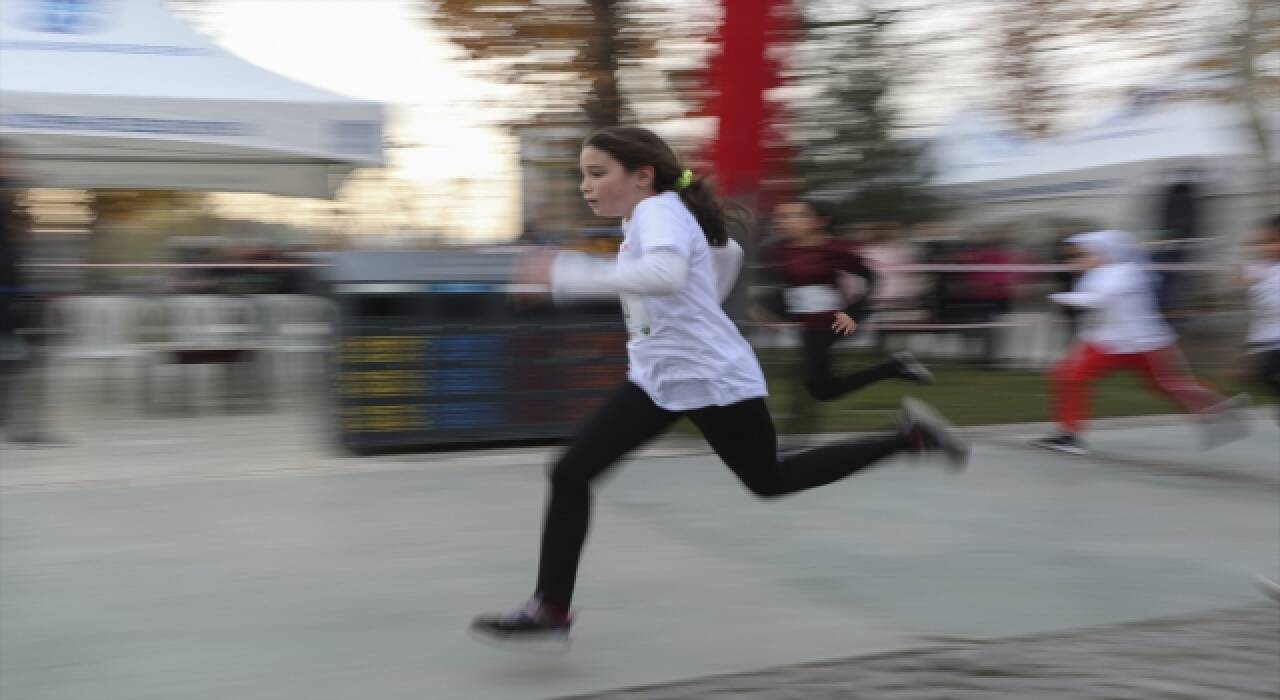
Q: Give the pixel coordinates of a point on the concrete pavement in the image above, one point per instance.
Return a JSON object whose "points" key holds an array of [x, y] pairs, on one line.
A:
{"points": [[234, 556], [1228, 654]]}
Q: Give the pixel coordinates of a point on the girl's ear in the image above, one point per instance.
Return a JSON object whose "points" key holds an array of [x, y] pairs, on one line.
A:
{"points": [[645, 177]]}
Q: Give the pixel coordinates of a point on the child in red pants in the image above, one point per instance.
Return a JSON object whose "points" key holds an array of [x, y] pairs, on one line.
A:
{"points": [[1123, 329]]}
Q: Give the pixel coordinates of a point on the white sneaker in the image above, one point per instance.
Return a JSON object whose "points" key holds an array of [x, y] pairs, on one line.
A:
{"points": [[912, 369], [1223, 423], [1268, 587], [929, 431]]}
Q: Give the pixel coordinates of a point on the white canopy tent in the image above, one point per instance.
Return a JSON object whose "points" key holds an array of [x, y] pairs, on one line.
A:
{"points": [[977, 149], [1113, 173], [122, 94]]}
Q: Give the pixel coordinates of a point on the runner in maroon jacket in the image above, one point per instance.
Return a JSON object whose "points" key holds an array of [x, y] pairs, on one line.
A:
{"points": [[809, 263]]}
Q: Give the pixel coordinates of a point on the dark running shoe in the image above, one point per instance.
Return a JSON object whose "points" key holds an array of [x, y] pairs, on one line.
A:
{"points": [[531, 626], [910, 368], [1062, 442], [38, 440], [928, 431]]}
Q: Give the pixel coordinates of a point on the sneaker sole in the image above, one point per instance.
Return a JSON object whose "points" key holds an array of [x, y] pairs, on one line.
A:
{"points": [[550, 644], [1064, 449], [949, 441]]}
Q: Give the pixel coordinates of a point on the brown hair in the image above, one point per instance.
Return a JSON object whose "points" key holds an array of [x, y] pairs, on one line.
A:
{"points": [[1272, 227], [635, 148], [822, 208]]}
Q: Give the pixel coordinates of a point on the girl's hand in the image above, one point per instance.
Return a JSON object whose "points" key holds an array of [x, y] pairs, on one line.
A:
{"points": [[844, 325], [532, 275]]}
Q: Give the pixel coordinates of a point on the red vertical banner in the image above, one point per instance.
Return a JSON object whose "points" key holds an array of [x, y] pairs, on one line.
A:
{"points": [[739, 75]]}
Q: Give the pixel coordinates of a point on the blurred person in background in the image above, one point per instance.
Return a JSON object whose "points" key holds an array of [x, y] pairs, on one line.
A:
{"points": [[942, 296], [1178, 216], [1065, 280], [25, 328], [10, 286], [235, 278], [1174, 288], [985, 295], [1123, 329], [1262, 275], [686, 358], [811, 266], [1178, 220], [284, 278], [884, 249]]}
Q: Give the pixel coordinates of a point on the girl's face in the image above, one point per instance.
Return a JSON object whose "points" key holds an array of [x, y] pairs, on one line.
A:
{"points": [[607, 186], [1083, 259], [797, 220]]}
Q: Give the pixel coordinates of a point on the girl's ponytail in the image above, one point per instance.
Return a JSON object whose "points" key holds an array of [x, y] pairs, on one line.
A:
{"points": [[700, 197]]}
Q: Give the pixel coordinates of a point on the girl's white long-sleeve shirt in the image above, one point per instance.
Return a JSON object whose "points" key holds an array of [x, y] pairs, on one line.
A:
{"points": [[683, 350], [1123, 316]]}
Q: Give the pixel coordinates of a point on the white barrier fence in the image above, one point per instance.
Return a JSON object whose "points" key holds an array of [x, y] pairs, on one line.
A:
{"points": [[142, 337], [265, 344], [1022, 339]]}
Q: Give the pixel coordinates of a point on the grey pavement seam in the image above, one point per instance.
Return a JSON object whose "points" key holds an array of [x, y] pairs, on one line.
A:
{"points": [[1227, 653], [1155, 466]]}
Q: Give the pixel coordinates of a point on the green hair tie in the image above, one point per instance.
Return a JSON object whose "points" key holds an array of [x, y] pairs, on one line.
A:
{"points": [[685, 179]]}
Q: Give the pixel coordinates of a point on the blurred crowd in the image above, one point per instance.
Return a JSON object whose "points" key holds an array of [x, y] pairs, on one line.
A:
{"points": [[946, 272], [221, 267]]}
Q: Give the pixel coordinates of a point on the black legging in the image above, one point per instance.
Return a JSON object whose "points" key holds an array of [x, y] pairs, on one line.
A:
{"points": [[814, 374], [8, 360], [818, 379], [741, 434], [1268, 372]]}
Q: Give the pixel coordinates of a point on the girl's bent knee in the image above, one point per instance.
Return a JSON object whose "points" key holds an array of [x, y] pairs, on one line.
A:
{"points": [[766, 489], [820, 391]]}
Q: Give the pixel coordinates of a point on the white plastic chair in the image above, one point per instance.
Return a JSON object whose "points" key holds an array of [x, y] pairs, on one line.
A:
{"points": [[1034, 341], [212, 322], [101, 330], [297, 327], [212, 329]]}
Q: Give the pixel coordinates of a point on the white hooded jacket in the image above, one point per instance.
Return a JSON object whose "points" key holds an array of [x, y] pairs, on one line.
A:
{"points": [[1123, 316]]}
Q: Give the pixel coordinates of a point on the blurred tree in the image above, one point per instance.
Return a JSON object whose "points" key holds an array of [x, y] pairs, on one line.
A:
{"points": [[132, 226], [1256, 52], [1040, 47], [574, 53], [1260, 46], [841, 124], [116, 204], [1048, 56], [578, 65]]}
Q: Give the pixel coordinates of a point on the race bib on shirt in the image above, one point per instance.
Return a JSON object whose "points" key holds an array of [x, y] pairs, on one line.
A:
{"points": [[636, 315], [812, 299]]}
